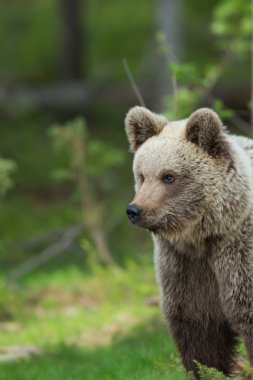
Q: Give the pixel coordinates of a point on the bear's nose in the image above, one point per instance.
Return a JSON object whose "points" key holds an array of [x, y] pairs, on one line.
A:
{"points": [[134, 212]]}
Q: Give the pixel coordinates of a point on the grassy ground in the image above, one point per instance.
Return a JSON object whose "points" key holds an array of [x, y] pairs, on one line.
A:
{"points": [[93, 326]]}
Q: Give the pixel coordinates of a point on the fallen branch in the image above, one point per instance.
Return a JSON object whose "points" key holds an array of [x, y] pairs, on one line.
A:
{"points": [[61, 246], [40, 241], [52, 236]]}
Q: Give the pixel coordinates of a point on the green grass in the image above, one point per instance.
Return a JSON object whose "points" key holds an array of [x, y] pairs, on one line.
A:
{"points": [[89, 326], [139, 357]]}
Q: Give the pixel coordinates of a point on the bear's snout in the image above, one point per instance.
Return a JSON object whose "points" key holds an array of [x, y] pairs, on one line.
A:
{"points": [[134, 212]]}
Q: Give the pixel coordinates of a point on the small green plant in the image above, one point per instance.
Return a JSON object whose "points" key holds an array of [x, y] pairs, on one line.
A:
{"points": [[244, 373], [205, 373], [210, 373], [232, 25], [88, 167]]}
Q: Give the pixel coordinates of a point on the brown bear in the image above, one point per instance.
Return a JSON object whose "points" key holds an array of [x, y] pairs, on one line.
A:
{"points": [[194, 192]]}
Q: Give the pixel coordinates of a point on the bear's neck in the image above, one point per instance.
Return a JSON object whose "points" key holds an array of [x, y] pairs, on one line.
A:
{"points": [[199, 240]]}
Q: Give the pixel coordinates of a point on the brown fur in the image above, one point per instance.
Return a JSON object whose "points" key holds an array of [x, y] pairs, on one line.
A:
{"points": [[202, 226], [142, 124]]}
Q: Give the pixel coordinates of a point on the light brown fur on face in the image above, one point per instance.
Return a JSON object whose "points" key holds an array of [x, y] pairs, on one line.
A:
{"points": [[203, 229], [159, 200]]}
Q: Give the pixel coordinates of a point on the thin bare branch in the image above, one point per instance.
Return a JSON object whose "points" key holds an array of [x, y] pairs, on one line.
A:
{"points": [[133, 84], [38, 242]]}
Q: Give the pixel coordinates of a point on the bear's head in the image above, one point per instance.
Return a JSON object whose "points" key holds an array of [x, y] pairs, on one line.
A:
{"points": [[187, 178]]}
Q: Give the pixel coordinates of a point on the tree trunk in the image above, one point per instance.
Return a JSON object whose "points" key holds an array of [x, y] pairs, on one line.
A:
{"points": [[71, 42]]}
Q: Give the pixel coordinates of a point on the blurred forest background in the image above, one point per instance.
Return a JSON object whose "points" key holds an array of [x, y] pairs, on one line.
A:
{"points": [[77, 288]]}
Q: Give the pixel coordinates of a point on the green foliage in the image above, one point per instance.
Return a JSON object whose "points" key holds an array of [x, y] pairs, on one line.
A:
{"points": [[91, 326], [70, 139], [223, 112], [7, 167], [186, 73], [232, 24], [190, 86], [89, 161], [102, 156], [206, 373], [210, 373], [97, 157], [187, 101], [64, 137]]}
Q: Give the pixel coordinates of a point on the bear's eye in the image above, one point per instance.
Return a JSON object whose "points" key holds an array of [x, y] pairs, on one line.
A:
{"points": [[168, 178]]}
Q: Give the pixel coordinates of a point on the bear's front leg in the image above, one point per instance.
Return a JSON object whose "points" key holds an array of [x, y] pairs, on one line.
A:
{"points": [[211, 343], [190, 300]]}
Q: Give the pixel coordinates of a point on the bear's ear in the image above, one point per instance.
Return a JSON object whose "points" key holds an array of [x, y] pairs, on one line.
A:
{"points": [[205, 129], [142, 124]]}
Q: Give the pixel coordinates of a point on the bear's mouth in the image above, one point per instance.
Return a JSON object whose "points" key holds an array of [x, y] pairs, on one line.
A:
{"points": [[169, 224], [144, 222], [158, 226]]}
